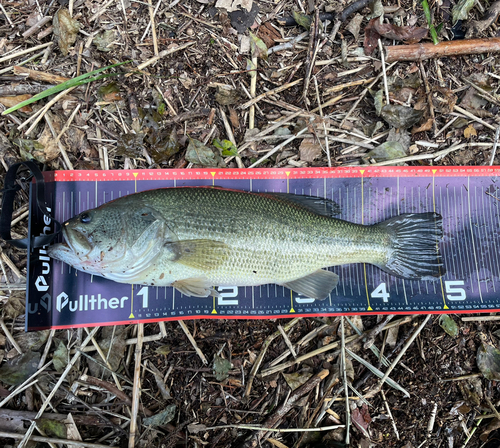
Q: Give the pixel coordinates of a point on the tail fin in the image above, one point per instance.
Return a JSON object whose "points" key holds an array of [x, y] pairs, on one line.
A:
{"points": [[414, 253]]}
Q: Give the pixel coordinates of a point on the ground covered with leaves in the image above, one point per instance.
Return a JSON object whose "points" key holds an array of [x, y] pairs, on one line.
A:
{"points": [[245, 84]]}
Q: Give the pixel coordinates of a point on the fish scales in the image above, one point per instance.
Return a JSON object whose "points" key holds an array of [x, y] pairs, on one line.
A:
{"points": [[195, 238], [269, 239]]}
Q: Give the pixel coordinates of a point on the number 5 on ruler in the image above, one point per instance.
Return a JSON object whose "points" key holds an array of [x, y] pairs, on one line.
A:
{"points": [[454, 293], [380, 292]]}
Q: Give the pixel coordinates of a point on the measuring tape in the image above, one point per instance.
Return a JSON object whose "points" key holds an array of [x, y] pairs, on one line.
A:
{"points": [[468, 198]]}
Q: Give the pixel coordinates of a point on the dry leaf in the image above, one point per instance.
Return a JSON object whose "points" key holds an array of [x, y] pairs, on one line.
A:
{"points": [[65, 29], [309, 149], [470, 131], [427, 126], [9, 101]]}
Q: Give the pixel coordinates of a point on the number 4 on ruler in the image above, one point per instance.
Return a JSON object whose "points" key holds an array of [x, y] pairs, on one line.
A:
{"points": [[380, 292]]}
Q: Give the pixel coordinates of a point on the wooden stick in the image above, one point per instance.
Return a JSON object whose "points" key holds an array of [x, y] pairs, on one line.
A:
{"points": [[421, 52], [28, 50], [78, 443], [40, 76]]}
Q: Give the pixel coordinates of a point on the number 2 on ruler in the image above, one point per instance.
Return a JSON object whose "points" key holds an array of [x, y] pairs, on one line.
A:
{"points": [[380, 292]]}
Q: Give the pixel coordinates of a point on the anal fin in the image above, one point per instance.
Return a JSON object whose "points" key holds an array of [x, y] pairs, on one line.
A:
{"points": [[196, 287], [317, 285]]}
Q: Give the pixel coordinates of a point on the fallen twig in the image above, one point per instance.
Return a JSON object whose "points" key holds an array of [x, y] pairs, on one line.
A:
{"points": [[421, 52]]}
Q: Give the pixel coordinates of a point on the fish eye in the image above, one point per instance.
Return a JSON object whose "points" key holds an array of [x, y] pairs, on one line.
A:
{"points": [[85, 218]]}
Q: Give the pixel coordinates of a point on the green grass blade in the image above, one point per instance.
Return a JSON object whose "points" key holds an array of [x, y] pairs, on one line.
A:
{"points": [[78, 81], [428, 16]]}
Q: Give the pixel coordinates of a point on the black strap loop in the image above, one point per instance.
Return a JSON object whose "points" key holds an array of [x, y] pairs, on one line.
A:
{"points": [[9, 194]]}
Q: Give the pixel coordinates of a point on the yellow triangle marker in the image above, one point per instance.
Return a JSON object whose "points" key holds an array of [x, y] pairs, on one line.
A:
{"points": [[434, 171], [369, 308], [214, 311], [291, 300], [136, 174], [287, 173], [131, 316], [362, 171], [445, 307], [212, 173]]}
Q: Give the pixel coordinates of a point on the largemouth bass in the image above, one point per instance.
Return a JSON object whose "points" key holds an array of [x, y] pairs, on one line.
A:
{"points": [[195, 238]]}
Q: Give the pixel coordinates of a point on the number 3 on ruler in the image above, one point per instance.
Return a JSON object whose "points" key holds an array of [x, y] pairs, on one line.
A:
{"points": [[380, 292], [454, 293]]}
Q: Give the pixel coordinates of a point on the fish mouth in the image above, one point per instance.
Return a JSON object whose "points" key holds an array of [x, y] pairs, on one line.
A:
{"points": [[74, 244]]}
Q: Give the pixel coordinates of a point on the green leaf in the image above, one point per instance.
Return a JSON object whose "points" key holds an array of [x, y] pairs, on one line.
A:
{"points": [[448, 325], [302, 20], [52, 428], [461, 10], [78, 81], [60, 357], [488, 361], [227, 148], [162, 418], [200, 154], [221, 368], [258, 47], [20, 368]]}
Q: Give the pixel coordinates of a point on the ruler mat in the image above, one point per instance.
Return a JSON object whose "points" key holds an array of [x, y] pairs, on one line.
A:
{"points": [[468, 198]]}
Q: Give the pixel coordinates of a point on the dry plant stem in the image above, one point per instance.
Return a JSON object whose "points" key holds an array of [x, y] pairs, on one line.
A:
{"points": [[311, 56], [277, 148], [389, 413], [153, 27], [62, 150], [269, 92], [495, 144], [287, 341], [283, 409], [400, 355], [78, 443], [328, 347], [428, 92], [480, 318], [384, 74], [37, 26], [162, 54], [47, 348], [101, 11], [436, 156], [263, 350], [28, 50], [340, 87], [193, 342], [421, 52], [10, 337], [253, 91], [63, 376], [473, 117], [375, 331], [39, 115], [344, 377], [68, 123], [136, 391], [115, 391], [482, 92]]}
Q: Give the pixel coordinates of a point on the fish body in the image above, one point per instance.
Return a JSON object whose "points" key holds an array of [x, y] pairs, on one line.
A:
{"points": [[194, 238]]}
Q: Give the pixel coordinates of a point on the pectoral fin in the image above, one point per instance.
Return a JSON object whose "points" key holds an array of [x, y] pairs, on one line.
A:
{"points": [[198, 254], [317, 285], [196, 287]]}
